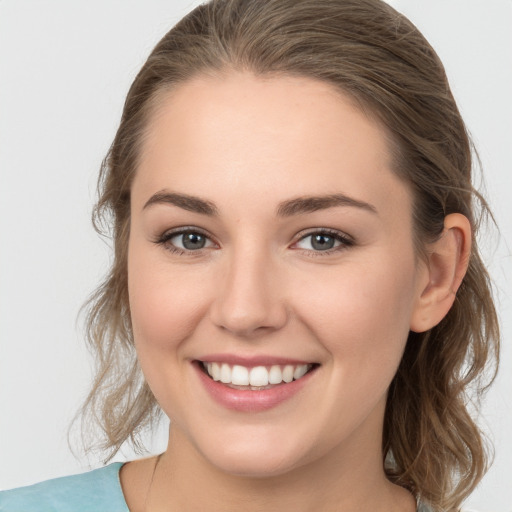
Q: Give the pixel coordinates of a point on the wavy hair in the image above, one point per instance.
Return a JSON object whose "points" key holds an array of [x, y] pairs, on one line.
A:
{"points": [[364, 48]]}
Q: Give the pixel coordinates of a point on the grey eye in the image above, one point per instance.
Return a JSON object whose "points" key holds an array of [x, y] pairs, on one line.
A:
{"points": [[190, 241], [318, 242], [322, 242]]}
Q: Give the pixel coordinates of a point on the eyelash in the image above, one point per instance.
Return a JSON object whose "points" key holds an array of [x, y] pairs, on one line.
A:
{"points": [[345, 241], [164, 240]]}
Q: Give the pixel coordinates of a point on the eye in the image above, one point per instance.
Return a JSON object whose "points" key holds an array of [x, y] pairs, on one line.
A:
{"points": [[185, 240], [190, 241], [324, 241]]}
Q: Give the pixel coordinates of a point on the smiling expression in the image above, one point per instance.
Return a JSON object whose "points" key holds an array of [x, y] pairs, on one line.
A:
{"points": [[272, 273]]}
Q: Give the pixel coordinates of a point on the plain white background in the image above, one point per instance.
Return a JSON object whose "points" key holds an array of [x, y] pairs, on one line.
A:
{"points": [[65, 68]]}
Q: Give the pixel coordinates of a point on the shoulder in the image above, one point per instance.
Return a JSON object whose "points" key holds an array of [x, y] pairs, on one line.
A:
{"points": [[94, 491]]}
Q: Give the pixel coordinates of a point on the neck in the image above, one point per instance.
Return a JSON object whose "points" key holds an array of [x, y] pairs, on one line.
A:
{"points": [[341, 480]]}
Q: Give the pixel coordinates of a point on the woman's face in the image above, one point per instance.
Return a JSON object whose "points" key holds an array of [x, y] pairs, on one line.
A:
{"points": [[269, 236]]}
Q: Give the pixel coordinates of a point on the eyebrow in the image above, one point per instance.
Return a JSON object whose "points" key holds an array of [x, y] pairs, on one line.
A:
{"points": [[296, 206], [310, 204], [184, 201]]}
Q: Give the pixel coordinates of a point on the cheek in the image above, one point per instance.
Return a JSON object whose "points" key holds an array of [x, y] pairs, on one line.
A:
{"points": [[164, 305], [362, 313], [362, 320], [165, 309]]}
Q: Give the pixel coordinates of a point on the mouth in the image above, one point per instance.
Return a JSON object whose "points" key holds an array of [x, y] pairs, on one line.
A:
{"points": [[255, 378]]}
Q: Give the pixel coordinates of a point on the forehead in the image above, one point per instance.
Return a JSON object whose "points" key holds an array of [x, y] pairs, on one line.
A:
{"points": [[281, 134]]}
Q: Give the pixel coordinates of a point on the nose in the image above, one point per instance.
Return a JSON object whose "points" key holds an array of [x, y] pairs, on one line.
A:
{"points": [[249, 300]]}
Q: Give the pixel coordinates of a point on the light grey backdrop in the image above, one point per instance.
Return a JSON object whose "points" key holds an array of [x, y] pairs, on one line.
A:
{"points": [[65, 68]]}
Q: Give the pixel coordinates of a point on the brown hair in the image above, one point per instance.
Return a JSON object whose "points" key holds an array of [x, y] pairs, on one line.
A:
{"points": [[367, 50]]}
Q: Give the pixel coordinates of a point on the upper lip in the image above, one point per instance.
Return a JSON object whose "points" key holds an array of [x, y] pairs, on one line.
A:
{"points": [[253, 360]]}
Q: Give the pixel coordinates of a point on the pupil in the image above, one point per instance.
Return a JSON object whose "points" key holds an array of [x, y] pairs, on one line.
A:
{"points": [[322, 242], [193, 241]]}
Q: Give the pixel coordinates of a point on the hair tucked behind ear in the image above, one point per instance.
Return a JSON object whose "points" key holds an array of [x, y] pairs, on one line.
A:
{"points": [[431, 445]]}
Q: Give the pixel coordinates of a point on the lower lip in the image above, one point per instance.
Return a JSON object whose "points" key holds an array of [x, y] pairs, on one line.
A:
{"points": [[245, 400]]}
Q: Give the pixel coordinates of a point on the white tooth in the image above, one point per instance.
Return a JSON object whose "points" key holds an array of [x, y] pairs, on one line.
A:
{"points": [[215, 371], [209, 368], [288, 373], [239, 375], [300, 371], [275, 376], [258, 376], [225, 373]]}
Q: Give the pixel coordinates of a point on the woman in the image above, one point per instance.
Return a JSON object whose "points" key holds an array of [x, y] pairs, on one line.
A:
{"points": [[296, 271]]}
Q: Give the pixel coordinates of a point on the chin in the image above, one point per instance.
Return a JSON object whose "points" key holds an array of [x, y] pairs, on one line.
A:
{"points": [[254, 459], [255, 467]]}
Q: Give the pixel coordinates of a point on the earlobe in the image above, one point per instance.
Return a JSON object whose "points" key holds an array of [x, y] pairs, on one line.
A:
{"points": [[448, 259]]}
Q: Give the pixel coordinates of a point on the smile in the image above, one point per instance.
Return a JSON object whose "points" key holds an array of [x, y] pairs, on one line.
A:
{"points": [[253, 386], [257, 377]]}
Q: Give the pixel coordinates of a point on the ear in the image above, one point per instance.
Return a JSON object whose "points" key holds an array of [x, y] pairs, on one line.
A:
{"points": [[448, 260]]}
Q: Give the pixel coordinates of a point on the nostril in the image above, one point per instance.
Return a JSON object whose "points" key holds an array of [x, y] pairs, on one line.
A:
{"points": [[247, 308]]}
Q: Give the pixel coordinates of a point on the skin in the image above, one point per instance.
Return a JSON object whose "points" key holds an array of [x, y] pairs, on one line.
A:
{"points": [[246, 145]]}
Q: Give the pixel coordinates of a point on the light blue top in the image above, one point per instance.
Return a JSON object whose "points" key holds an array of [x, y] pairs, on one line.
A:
{"points": [[94, 491]]}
